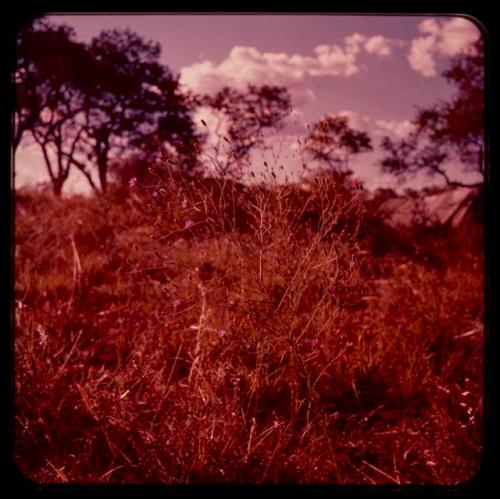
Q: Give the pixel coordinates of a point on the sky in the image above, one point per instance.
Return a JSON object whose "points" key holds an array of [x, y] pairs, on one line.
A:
{"points": [[376, 70]]}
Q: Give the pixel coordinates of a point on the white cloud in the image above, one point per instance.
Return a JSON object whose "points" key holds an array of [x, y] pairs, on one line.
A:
{"points": [[440, 39], [353, 42], [330, 60], [364, 123], [246, 65], [399, 129], [429, 26], [457, 36], [422, 56], [378, 45], [357, 121]]}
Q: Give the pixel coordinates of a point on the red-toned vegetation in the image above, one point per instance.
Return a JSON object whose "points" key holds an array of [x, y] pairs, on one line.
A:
{"points": [[202, 331]]}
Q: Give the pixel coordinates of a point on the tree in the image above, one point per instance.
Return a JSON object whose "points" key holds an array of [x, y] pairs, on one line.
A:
{"points": [[85, 104], [48, 101], [133, 103], [331, 141], [446, 131], [247, 115]]}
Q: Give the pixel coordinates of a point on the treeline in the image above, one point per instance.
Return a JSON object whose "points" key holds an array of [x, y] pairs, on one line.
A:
{"points": [[87, 105]]}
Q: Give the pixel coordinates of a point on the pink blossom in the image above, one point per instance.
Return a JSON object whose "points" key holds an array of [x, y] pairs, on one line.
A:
{"points": [[155, 194], [188, 224], [177, 303], [132, 182], [314, 343], [221, 333]]}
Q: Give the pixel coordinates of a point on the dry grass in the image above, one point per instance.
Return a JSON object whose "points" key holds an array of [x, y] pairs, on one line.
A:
{"points": [[212, 333]]}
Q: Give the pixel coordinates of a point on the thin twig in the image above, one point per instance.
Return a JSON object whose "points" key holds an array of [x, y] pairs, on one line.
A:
{"points": [[381, 472], [77, 272], [69, 354]]}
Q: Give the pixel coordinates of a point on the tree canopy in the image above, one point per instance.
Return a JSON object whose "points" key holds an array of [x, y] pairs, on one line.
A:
{"points": [[48, 78], [446, 131], [331, 141], [248, 114], [84, 104], [134, 102]]}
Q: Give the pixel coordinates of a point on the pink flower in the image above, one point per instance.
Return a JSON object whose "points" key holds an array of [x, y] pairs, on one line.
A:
{"points": [[132, 182], [155, 194], [314, 343], [221, 333], [188, 224], [177, 303]]}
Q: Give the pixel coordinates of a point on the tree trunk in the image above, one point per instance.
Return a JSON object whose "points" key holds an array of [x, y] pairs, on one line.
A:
{"points": [[103, 171], [57, 186]]}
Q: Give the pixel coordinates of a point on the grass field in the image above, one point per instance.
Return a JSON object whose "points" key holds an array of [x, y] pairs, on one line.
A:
{"points": [[205, 332]]}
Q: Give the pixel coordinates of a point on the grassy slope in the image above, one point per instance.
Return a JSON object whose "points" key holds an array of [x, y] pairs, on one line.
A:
{"points": [[285, 352]]}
